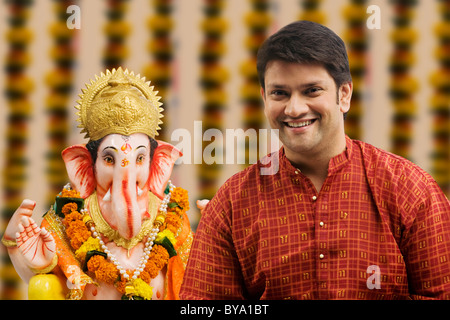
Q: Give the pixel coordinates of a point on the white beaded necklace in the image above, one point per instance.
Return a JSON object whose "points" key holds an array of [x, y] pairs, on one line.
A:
{"points": [[148, 244]]}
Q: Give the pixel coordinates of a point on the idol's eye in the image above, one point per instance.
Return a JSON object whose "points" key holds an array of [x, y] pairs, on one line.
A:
{"points": [[140, 158], [108, 159]]}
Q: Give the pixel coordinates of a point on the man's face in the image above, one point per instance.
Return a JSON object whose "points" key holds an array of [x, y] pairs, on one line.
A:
{"points": [[301, 102]]}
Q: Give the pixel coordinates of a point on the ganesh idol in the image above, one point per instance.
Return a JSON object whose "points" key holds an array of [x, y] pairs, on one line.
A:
{"points": [[119, 229]]}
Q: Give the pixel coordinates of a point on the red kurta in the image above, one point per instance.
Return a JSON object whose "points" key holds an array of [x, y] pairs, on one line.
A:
{"points": [[378, 229]]}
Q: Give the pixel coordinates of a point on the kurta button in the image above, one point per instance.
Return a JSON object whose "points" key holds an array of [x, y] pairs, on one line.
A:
{"points": [[321, 256], [314, 198], [296, 172], [321, 223]]}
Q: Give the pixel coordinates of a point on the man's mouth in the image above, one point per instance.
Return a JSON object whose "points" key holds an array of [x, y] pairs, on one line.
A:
{"points": [[299, 124]]}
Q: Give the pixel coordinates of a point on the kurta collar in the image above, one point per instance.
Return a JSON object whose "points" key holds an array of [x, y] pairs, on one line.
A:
{"points": [[334, 165]]}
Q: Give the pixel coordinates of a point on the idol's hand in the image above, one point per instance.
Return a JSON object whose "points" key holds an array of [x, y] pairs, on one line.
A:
{"points": [[35, 244], [201, 204], [24, 210]]}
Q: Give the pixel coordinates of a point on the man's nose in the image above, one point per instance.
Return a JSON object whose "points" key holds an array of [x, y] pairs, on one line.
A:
{"points": [[296, 106]]}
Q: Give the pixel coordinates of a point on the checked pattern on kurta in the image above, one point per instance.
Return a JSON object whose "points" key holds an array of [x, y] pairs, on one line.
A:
{"points": [[275, 237]]}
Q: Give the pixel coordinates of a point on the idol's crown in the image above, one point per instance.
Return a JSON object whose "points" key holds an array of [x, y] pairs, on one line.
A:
{"points": [[119, 102]]}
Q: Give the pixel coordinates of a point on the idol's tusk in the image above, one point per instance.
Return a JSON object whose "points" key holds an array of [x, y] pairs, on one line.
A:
{"points": [[107, 196], [139, 191]]}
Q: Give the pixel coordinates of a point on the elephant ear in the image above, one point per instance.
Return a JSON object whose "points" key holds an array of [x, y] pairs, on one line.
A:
{"points": [[161, 167], [80, 169]]}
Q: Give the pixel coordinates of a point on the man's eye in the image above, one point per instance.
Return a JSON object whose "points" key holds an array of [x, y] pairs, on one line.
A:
{"points": [[313, 91], [278, 93]]}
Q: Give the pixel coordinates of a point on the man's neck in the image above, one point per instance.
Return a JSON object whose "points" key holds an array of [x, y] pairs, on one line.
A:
{"points": [[314, 165], [315, 170]]}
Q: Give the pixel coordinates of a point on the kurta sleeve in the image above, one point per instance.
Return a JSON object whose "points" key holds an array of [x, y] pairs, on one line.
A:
{"points": [[213, 271], [426, 245]]}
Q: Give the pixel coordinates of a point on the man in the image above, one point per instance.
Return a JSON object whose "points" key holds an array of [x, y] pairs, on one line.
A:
{"points": [[340, 219]]}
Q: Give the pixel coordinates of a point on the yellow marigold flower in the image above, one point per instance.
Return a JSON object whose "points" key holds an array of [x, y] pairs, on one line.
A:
{"points": [[89, 245], [140, 288], [166, 233]]}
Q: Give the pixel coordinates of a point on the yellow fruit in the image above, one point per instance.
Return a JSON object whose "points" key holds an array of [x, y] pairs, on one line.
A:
{"points": [[46, 287]]}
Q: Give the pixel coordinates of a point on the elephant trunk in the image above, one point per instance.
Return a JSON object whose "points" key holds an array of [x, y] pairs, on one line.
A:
{"points": [[125, 206]]}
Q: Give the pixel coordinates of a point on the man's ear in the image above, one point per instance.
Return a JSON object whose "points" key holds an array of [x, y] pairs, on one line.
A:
{"points": [[345, 96], [263, 95]]}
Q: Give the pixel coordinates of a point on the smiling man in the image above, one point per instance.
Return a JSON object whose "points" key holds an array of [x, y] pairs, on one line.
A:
{"points": [[303, 103], [340, 219]]}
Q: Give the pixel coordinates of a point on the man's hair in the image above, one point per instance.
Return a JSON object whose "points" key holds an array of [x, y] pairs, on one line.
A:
{"points": [[306, 42]]}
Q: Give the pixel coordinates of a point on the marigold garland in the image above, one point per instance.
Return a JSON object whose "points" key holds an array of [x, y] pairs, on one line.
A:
{"points": [[83, 243], [91, 244], [357, 41], [116, 30], [18, 86], [60, 82], [257, 21], [173, 222], [213, 78], [440, 101], [403, 84], [160, 47], [311, 11]]}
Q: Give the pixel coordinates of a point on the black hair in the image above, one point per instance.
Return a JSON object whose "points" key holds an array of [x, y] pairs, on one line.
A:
{"points": [[308, 43]]}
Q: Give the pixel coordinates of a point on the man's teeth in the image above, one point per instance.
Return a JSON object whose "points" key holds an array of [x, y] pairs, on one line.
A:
{"points": [[299, 124]]}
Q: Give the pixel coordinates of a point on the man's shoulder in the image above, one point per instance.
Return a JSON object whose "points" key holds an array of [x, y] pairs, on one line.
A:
{"points": [[385, 164]]}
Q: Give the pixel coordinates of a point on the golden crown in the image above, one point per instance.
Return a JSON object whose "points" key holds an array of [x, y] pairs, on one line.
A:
{"points": [[119, 102]]}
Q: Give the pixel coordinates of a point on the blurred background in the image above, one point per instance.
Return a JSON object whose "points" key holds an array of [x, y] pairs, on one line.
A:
{"points": [[200, 55]]}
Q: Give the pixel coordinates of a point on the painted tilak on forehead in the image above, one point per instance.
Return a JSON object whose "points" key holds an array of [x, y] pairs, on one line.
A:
{"points": [[126, 146]]}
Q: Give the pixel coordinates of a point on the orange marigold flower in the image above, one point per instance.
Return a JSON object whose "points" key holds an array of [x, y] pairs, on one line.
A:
{"points": [[95, 262], [180, 196], [145, 276], [69, 207], [173, 222], [70, 193], [121, 284], [104, 270], [77, 233], [107, 272], [159, 256], [79, 238], [73, 227], [151, 269], [73, 216]]}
